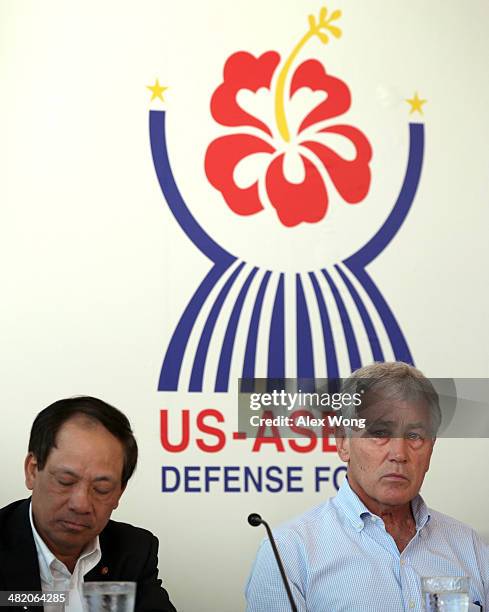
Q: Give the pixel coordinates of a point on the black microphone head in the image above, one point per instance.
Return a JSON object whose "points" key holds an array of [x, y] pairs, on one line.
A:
{"points": [[254, 519]]}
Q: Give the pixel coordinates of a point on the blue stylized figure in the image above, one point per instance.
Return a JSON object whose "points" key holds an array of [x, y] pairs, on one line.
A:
{"points": [[242, 276]]}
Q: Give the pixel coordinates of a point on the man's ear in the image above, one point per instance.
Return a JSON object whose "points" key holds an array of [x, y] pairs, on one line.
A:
{"points": [[431, 450], [30, 471], [342, 444]]}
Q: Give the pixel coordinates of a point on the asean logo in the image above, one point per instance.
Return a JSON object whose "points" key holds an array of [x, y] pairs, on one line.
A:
{"points": [[296, 186]]}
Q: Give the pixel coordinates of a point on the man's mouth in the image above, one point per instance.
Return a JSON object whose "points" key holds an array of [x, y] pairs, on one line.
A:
{"points": [[73, 526], [395, 476]]}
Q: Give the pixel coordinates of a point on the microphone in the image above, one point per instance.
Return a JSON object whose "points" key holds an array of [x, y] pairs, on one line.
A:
{"points": [[254, 520]]}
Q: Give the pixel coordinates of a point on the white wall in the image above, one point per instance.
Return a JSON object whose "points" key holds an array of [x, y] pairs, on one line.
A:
{"points": [[95, 271]]}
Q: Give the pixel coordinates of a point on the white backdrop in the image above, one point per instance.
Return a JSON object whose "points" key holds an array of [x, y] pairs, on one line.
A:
{"points": [[96, 273]]}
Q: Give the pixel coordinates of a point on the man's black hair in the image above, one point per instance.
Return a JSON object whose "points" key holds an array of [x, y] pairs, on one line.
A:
{"points": [[49, 421]]}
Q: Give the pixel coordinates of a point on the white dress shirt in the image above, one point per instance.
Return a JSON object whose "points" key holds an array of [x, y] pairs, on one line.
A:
{"points": [[55, 576]]}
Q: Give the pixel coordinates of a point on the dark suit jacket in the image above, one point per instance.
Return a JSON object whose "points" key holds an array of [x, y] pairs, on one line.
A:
{"points": [[128, 554]]}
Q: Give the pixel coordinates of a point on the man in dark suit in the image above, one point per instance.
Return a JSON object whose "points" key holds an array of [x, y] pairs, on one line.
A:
{"points": [[82, 453]]}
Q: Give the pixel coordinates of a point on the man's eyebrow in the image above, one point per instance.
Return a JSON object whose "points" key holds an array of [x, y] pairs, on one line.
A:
{"points": [[382, 423], [416, 425], [394, 425], [69, 472], [64, 470], [104, 479]]}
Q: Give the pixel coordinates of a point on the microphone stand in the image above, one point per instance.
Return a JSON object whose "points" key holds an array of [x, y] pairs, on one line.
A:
{"points": [[254, 520]]}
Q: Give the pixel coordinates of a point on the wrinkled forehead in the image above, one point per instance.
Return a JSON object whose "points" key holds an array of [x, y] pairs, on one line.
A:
{"points": [[381, 407], [85, 436]]}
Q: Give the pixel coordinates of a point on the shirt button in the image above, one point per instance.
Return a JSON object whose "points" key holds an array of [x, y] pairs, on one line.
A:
{"points": [[411, 603], [402, 562]]}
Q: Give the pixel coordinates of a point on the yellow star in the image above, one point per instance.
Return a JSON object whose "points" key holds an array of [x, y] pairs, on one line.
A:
{"points": [[416, 103], [157, 90]]}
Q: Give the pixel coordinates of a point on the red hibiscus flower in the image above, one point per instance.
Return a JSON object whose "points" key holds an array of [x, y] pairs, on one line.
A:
{"points": [[292, 162]]}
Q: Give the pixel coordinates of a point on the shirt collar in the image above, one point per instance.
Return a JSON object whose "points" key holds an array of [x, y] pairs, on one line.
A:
{"points": [[421, 512], [355, 510], [46, 557]]}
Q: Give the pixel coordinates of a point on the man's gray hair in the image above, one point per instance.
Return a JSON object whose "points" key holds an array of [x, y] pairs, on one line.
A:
{"points": [[393, 380]]}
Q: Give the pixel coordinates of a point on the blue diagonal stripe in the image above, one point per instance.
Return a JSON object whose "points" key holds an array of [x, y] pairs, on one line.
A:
{"points": [[276, 342], [329, 347], [172, 363], [222, 377], [351, 342], [305, 355], [197, 375], [251, 342], [377, 353]]}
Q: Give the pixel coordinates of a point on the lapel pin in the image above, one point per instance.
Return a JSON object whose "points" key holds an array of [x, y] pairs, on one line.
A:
{"points": [[104, 570]]}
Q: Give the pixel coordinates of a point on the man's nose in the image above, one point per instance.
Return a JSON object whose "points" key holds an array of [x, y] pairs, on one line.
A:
{"points": [[398, 450], [80, 499]]}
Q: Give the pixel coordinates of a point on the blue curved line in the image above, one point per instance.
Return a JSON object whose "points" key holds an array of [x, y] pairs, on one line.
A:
{"points": [[172, 363], [377, 353], [305, 355], [329, 347], [351, 342], [222, 377], [276, 340], [180, 210], [251, 341], [201, 353], [392, 224], [399, 345]]}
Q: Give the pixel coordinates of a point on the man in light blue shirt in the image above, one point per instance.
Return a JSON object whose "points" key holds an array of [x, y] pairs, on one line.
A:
{"points": [[367, 549]]}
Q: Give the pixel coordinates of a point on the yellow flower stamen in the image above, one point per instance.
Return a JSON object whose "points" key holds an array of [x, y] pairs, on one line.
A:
{"points": [[315, 29]]}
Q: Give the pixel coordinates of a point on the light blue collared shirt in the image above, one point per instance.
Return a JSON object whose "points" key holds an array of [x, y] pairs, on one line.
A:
{"points": [[339, 557]]}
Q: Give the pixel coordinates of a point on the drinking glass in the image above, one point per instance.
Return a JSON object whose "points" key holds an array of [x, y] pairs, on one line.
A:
{"points": [[109, 596], [446, 593]]}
